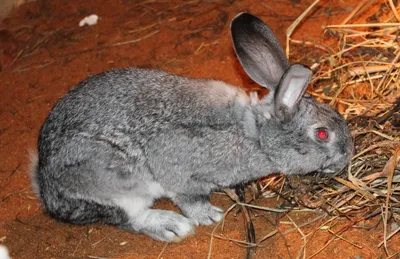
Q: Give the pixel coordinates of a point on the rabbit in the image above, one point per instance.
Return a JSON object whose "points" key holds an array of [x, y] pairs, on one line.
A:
{"points": [[120, 140]]}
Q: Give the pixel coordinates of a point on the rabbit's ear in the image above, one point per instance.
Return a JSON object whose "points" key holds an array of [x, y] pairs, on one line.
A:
{"points": [[258, 50], [290, 90]]}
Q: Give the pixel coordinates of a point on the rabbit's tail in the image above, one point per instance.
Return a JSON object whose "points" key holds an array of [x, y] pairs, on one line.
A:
{"points": [[33, 168], [81, 211]]}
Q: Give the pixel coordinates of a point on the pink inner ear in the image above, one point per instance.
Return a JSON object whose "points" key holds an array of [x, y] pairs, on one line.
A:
{"points": [[294, 90]]}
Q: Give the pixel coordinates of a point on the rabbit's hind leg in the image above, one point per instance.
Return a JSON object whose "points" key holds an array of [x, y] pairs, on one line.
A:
{"points": [[83, 211], [160, 225]]}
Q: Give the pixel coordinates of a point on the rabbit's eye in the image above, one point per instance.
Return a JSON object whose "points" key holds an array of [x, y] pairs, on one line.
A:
{"points": [[322, 134]]}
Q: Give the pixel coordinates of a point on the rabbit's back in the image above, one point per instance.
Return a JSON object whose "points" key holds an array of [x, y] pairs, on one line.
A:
{"points": [[141, 101]]}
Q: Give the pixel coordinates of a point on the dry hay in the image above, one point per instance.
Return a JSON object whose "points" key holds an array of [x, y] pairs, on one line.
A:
{"points": [[359, 76]]}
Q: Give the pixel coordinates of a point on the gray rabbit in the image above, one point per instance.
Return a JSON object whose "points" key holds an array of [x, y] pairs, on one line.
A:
{"points": [[121, 139]]}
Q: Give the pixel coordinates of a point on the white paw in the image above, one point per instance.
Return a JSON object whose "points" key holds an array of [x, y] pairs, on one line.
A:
{"points": [[166, 226], [208, 215]]}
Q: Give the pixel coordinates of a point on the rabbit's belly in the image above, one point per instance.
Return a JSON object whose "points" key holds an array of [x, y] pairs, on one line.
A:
{"points": [[138, 199]]}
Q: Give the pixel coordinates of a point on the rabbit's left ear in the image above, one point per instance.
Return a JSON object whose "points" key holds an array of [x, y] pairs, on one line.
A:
{"points": [[290, 90], [258, 50]]}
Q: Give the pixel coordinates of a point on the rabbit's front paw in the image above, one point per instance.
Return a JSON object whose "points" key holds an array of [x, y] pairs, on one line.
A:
{"points": [[207, 214], [162, 225], [200, 211]]}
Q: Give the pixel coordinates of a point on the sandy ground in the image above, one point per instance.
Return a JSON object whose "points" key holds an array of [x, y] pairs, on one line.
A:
{"points": [[45, 53]]}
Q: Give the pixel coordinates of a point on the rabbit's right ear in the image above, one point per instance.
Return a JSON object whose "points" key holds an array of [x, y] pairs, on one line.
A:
{"points": [[258, 50], [291, 89]]}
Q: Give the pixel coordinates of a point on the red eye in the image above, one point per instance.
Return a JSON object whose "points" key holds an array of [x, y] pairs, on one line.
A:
{"points": [[322, 134]]}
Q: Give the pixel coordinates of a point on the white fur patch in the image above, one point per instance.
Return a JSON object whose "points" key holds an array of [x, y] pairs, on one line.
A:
{"points": [[254, 100], [185, 228], [156, 190], [4, 253], [217, 217], [267, 114], [267, 105], [249, 125], [134, 206], [173, 227], [224, 93], [34, 159]]}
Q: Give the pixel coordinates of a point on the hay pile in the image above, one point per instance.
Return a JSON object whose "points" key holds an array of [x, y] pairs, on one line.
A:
{"points": [[363, 83], [361, 78], [359, 75]]}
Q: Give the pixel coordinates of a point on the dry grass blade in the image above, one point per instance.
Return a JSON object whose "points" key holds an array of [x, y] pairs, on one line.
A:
{"points": [[248, 223], [361, 5], [136, 40], [293, 26], [162, 251], [215, 229], [303, 249], [344, 239], [396, 14], [389, 171], [355, 188]]}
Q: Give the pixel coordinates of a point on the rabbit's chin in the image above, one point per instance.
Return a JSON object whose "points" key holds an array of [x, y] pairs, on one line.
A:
{"points": [[332, 169], [327, 171]]}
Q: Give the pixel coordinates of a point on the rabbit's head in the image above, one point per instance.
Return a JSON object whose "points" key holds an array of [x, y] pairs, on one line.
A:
{"points": [[298, 133]]}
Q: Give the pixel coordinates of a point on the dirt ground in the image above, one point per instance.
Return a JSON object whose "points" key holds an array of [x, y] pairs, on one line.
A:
{"points": [[45, 52]]}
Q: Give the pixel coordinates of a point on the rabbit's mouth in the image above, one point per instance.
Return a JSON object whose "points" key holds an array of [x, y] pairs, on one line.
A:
{"points": [[328, 171], [332, 169]]}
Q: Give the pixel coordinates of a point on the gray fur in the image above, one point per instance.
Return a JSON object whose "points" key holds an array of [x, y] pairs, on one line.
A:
{"points": [[119, 140]]}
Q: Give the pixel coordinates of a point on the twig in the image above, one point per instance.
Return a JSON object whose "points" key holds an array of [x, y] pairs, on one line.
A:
{"points": [[372, 147], [366, 25], [389, 236], [30, 68], [303, 249], [136, 40], [389, 168], [215, 229], [344, 239], [239, 196], [162, 251], [322, 248], [355, 10], [293, 26], [102, 239], [396, 14]]}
